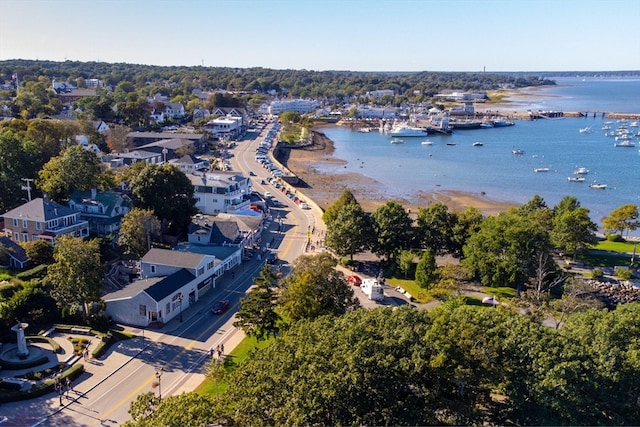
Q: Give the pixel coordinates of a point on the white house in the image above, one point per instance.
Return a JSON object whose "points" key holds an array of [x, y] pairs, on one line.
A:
{"points": [[220, 191], [302, 106]]}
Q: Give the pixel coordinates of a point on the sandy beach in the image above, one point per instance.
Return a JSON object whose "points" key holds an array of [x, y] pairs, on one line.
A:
{"points": [[324, 188]]}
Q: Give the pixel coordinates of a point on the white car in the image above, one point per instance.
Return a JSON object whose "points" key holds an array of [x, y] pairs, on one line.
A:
{"points": [[304, 206]]}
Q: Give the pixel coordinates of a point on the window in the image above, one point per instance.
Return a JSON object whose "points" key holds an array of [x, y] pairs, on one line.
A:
{"points": [[200, 271], [38, 226], [153, 268], [25, 237], [168, 308], [15, 222], [24, 223], [143, 310]]}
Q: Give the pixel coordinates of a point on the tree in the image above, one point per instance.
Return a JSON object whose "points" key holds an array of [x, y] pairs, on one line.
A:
{"points": [[392, 228], [435, 228], [346, 198], [139, 228], [186, 409], [623, 218], [76, 273], [117, 138], [257, 316], [468, 222], [405, 262], [315, 288], [167, 192], [349, 232], [573, 229], [426, 270], [75, 169], [506, 250], [39, 252]]}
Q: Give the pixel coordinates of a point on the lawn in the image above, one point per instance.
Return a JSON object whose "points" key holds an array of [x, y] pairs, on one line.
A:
{"points": [[231, 362], [419, 294], [622, 247], [603, 259]]}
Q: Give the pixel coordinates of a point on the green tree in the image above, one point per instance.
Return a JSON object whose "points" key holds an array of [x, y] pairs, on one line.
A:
{"points": [[315, 288], [257, 316], [623, 218], [392, 228], [427, 270], [76, 273], [167, 192], [346, 198], [405, 262], [19, 158], [349, 232], [508, 249], [186, 409], [468, 222], [573, 229], [139, 228], [435, 228], [39, 252], [75, 169]]}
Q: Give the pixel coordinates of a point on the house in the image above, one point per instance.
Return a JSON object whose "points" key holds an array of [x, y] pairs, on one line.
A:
{"points": [[103, 210], [220, 191], [225, 230], [190, 163], [227, 127], [15, 257], [116, 160], [42, 219], [171, 281], [200, 113], [302, 106]]}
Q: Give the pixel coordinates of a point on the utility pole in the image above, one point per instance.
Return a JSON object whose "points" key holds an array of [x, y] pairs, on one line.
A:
{"points": [[27, 186]]}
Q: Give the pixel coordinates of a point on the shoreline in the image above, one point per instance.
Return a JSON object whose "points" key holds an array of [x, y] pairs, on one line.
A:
{"points": [[324, 189]]}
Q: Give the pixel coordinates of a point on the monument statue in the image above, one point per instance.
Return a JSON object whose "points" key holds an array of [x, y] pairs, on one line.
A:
{"points": [[23, 349]]}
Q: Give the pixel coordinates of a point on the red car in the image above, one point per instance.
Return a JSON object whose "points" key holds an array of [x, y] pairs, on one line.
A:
{"points": [[220, 306], [354, 280]]}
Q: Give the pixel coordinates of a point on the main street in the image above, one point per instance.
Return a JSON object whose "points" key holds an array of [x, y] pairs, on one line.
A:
{"points": [[174, 359]]}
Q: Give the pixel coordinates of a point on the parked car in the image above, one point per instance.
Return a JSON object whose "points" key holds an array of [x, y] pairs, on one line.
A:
{"points": [[251, 173], [354, 280], [220, 306], [304, 206]]}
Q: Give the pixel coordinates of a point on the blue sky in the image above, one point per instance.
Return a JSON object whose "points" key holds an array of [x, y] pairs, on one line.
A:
{"points": [[361, 35]]}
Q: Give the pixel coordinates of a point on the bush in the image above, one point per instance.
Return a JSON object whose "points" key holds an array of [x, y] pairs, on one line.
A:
{"points": [[597, 273], [615, 238], [623, 273]]}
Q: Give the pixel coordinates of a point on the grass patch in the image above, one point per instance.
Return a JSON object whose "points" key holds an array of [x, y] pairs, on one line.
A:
{"points": [[602, 259], [231, 362], [419, 294], [621, 247], [501, 293]]}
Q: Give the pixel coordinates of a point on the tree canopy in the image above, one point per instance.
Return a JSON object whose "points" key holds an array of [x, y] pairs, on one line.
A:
{"points": [[621, 219]]}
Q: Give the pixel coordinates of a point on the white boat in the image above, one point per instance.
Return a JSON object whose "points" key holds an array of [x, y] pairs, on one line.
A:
{"points": [[518, 152], [478, 144], [586, 130], [581, 171], [405, 130], [598, 186], [364, 130], [624, 144], [451, 143], [427, 142], [541, 170], [576, 179], [397, 141], [634, 124]]}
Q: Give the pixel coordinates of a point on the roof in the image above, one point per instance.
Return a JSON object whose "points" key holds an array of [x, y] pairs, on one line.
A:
{"points": [[169, 284], [163, 135], [170, 144], [172, 258], [40, 210], [108, 199], [15, 250], [157, 288]]}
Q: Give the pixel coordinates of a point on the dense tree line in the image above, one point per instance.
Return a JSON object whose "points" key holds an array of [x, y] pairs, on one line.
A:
{"points": [[454, 365], [181, 81]]}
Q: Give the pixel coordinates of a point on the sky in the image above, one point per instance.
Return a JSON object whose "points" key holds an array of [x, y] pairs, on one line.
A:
{"points": [[356, 35]]}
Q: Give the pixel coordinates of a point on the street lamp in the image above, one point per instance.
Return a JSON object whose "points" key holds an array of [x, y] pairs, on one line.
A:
{"points": [[180, 300], [159, 378]]}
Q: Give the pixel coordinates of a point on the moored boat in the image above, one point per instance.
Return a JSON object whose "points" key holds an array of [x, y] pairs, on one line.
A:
{"points": [[478, 144], [581, 171], [626, 143], [598, 186], [397, 141], [576, 179], [518, 152], [427, 142], [541, 170]]}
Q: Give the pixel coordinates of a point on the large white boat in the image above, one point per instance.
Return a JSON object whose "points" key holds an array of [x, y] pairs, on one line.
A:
{"points": [[581, 171], [407, 131]]}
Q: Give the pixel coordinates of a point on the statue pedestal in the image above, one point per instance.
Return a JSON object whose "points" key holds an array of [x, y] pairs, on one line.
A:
{"points": [[23, 349]]}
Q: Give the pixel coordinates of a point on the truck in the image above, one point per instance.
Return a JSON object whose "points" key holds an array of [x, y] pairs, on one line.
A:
{"points": [[373, 289]]}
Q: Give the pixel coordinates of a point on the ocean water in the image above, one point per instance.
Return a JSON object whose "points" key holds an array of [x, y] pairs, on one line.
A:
{"points": [[404, 169]]}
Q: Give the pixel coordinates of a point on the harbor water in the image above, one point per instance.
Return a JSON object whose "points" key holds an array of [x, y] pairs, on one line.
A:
{"points": [[557, 147]]}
